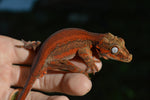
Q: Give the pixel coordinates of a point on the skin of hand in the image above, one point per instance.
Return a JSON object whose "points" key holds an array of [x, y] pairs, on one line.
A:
{"points": [[76, 84]]}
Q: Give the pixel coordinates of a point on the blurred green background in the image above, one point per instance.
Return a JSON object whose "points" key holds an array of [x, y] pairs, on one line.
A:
{"points": [[130, 19]]}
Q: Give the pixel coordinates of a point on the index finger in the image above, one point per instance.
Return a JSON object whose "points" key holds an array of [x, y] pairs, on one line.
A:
{"points": [[14, 54]]}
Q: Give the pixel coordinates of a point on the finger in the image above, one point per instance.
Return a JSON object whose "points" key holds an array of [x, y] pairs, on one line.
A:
{"points": [[34, 96], [56, 82], [4, 81], [22, 55], [19, 74], [76, 84], [40, 96], [71, 83], [4, 87], [13, 53]]}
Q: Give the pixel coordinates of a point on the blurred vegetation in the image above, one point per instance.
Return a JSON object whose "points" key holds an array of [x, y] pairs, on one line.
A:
{"points": [[129, 19]]}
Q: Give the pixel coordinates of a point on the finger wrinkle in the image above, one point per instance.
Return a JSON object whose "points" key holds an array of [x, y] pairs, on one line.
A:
{"points": [[49, 83]]}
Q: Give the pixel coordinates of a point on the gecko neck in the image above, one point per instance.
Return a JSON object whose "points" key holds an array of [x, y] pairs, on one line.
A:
{"points": [[98, 38]]}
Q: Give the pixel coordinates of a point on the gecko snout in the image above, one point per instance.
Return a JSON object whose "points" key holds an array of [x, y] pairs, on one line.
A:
{"points": [[129, 58]]}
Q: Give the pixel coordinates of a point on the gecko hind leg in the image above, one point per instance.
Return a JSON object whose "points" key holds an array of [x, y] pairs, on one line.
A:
{"points": [[65, 66], [29, 45]]}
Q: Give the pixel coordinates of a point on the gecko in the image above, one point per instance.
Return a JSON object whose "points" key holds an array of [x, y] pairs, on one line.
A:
{"points": [[57, 51]]}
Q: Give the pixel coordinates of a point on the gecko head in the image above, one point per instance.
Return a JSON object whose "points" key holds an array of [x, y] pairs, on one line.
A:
{"points": [[113, 47]]}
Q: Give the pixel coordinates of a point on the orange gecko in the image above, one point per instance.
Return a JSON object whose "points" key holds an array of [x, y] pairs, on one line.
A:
{"points": [[57, 51]]}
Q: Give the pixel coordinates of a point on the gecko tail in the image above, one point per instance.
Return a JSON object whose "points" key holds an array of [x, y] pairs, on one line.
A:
{"points": [[23, 94]]}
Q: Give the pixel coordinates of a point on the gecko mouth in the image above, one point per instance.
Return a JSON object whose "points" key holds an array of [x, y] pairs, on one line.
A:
{"points": [[128, 59], [124, 59]]}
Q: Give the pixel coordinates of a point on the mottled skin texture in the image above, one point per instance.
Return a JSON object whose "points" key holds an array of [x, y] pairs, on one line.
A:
{"points": [[58, 49]]}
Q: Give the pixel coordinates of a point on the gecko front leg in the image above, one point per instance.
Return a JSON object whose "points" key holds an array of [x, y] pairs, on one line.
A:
{"points": [[86, 54]]}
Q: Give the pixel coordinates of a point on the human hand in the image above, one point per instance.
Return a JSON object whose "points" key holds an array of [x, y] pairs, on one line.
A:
{"points": [[15, 75]]}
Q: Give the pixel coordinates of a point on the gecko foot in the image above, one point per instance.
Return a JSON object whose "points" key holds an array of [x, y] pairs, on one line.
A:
{"points": [[92, 67], [29, 44]]}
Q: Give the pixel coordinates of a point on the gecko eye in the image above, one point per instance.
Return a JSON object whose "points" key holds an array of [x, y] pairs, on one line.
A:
{"points": [[114, 50]]}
